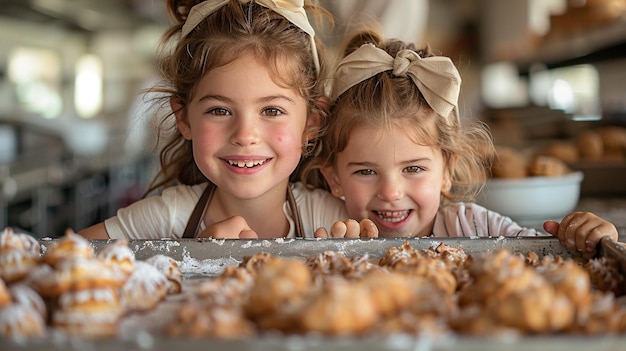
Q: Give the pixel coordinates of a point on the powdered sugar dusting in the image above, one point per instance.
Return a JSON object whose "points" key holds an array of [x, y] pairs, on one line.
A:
{"points": [[211, 267], [219, 242], [340, 246], [262, 243], [284, 240], [164, 245]]}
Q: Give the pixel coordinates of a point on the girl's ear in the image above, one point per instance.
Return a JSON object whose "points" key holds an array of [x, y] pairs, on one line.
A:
{"points": [[446, 185], [333, 181], [314, 120], [181, 120]]}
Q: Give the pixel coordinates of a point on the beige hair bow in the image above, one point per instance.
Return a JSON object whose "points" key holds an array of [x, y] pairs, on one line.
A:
{"points": [[436, 77], [292, 10]]}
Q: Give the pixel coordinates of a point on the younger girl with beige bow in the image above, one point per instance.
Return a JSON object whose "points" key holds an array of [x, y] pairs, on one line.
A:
{"points": [[398, 153]]}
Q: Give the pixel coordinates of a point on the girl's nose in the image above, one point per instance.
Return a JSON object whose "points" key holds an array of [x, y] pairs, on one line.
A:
{"points": [[390, 190], [244, 132]]}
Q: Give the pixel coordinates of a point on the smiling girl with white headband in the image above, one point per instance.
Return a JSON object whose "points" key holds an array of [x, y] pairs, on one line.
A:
{"points": [[398, 153], [243, 83]]}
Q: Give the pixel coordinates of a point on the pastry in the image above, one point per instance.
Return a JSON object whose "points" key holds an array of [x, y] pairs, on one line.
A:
{"points": [[509, 163], [614, 141], [280, 283], [79, 273], [118, 254], [5, 296], [590, 145], [336, 263], [89, 313], [21, 241], [36, 275], [15, 263], [24, 295], [169, 267], [19, 321], [216, 322], [68, 246], [547, 166], [229, 289], [253, 263], [563, 150], [604, 274], [389, 292], [410, 261], [340, 308], [144, 289]]}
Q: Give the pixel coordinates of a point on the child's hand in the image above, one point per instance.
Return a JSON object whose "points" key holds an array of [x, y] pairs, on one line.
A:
{"points": [[349, 228], [582, 231], [234, 227]]}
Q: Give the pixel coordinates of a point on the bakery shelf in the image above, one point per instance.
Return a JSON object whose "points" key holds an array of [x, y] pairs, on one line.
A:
{"points": [[588, 46]]}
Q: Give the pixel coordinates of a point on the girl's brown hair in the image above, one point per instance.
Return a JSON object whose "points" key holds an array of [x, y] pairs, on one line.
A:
{"points": [[385, 101], [233, 30]]}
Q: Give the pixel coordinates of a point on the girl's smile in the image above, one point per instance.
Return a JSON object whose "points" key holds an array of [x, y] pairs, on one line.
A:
{"points": [[393, 216]]}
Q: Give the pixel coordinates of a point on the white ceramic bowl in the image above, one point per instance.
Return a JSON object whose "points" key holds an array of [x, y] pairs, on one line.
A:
{"points": [[532, 200]]}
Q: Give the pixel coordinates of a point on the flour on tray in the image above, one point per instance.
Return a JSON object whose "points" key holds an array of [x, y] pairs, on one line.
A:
{"points": [[211, 267]]}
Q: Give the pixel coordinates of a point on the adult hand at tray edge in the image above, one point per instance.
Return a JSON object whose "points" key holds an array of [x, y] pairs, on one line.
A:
{"points": [[581, 231]]}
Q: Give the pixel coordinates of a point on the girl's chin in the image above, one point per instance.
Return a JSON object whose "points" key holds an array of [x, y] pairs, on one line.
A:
{"points": [[404, 231], [385, 231]]}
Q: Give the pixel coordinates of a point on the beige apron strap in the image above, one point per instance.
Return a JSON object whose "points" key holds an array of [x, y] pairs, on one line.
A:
{"points": [[295, 213], [196, 216]]}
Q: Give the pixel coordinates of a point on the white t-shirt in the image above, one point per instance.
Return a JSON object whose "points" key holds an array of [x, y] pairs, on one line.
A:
{"points": [[464, 219], [166, 215]]}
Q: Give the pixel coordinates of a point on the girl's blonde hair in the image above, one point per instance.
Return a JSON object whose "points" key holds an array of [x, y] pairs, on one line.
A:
{"points": [[385, 101], [233, 30]]}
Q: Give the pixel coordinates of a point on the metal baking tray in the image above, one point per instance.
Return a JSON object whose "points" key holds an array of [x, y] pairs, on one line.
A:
{"points": [[303, 248], [236, 249]]}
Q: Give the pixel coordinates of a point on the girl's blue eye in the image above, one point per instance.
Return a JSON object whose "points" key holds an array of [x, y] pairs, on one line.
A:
{"points": [[218, 111], [413, 169], [365, 172], [272, 112]]}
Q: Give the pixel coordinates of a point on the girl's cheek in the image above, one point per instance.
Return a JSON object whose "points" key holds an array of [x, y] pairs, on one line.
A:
{"points": [[283, 136]]}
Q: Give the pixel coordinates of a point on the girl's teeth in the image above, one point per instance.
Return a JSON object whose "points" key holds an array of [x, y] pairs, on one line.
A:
{"points": [[246, 164], [392, 216]]}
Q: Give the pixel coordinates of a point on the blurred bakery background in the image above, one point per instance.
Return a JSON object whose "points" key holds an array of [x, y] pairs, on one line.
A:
{"points": [[77, 135]]}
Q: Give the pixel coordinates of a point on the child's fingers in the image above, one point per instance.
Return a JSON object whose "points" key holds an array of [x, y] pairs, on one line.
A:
{"points": [[353, 229], [592, 238], [229, 228], [551, 227], [321, 233], [349, 228], [581, 231], [368, 229], [566, 232], [338, 230], [571, 227], [248, 234]]}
